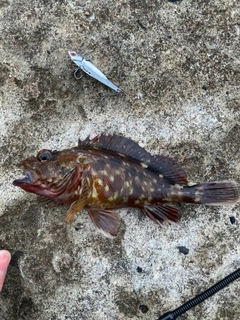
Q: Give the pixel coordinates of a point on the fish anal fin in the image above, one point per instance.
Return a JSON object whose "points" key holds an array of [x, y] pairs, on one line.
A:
{"points": [[160, 213], [164, 165], [107, 221]]}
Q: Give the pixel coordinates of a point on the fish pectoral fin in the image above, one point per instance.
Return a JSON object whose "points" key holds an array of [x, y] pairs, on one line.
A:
{"points": [[74, 209], [79, 204], [107, 221], [160, 213]]}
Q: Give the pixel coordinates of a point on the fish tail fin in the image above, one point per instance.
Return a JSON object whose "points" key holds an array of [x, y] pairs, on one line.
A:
{"points": [[214, 193]]}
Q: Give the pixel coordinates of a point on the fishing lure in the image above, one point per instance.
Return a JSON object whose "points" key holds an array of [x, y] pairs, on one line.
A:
{"points": [[91, 70]]}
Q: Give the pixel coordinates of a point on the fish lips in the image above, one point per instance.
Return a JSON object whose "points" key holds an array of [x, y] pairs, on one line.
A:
{"points": [[30, 178], [27, 180]]}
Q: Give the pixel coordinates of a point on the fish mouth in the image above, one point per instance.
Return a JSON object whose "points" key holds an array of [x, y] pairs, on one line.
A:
{"points": [[28, 179]]}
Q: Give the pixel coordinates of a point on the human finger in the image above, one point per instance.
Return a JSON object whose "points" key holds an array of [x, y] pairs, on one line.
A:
{"points": [[5, 258]]}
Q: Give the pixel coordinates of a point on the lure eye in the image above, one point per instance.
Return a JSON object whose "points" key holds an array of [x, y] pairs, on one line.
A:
{"points": [[44, 155]]}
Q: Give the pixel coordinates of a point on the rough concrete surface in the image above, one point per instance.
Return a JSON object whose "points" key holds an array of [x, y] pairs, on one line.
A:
{"points": [[178, 64]]}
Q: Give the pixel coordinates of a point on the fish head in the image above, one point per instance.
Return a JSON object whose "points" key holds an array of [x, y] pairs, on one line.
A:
{"points": [[46, 171]]}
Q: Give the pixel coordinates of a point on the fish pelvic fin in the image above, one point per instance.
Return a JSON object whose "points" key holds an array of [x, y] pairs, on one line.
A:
{"points": [[107, 221], [215, 193], [161, 213]]}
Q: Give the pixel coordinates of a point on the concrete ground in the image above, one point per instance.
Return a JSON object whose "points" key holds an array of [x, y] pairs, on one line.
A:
{"points": [[178, 64]]}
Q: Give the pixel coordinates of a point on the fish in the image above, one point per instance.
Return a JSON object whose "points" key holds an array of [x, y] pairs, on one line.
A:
{"points": [[111, 172]]}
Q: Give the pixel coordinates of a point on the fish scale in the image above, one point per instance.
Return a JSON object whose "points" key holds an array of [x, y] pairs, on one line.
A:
{"points": [[110, 172], [132, 183]]}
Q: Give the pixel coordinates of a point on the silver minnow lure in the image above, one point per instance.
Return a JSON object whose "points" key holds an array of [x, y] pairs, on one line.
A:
{"points": [[91, 70]]}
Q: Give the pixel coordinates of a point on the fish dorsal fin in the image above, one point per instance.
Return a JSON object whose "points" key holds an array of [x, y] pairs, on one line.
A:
{"points": [[161, 164], [169, 168]]}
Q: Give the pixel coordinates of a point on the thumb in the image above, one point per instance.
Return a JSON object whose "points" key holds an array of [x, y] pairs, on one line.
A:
{"points": [[5, 258]]}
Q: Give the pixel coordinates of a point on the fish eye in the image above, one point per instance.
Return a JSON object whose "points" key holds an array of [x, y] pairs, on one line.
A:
{"points": [[44, 155]]}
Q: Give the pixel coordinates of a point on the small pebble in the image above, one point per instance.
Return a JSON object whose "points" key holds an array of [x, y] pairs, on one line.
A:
{"points": [[144, 308], [232, 219], [139, 269], [204, 88], [183, 250], [78, 226], [48, 52]]}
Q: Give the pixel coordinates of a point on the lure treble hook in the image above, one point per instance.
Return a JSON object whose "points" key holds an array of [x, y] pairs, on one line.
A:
{"points": [[75, 74]]}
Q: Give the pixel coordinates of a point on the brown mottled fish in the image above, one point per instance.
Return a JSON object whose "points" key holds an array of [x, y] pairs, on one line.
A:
{"points": [[111, 172]]}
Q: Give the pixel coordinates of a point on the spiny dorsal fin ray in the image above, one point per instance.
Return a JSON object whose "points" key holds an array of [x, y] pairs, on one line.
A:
{"points": [[161, 164]]}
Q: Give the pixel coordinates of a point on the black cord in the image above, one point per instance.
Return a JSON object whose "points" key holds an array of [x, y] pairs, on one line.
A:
{"points": [[172, 315]]}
